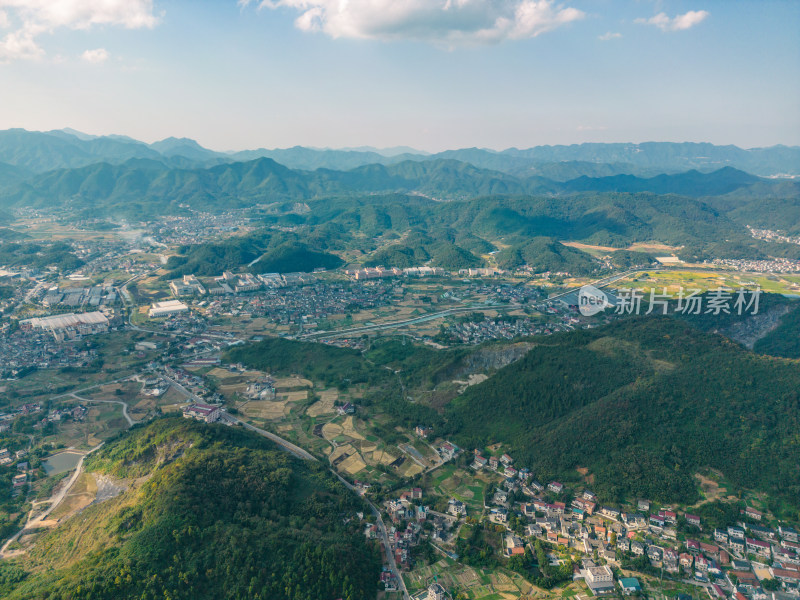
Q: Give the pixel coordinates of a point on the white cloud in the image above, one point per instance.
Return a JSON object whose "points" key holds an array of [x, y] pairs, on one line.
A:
{"points": [[96, 56], [609, 35], [39, 17], [677, 23], [3, 19], [448, 22]]}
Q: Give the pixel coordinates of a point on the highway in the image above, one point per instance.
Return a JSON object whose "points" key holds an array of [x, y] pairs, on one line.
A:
{"points": [[605, 281], [405, 322]]}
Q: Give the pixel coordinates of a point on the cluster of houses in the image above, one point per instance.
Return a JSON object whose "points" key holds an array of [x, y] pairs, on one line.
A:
{"points": [[728, 561], [381, 272], [408, 510], [7, 418], [21, 478], [236, 283]]}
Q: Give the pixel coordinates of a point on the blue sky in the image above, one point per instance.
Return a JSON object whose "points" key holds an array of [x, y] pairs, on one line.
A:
{"points": [[432, 74]]}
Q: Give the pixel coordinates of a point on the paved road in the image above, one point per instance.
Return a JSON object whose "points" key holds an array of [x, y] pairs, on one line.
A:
{"points": [[124, 406], [33, 523], [384, 537], [300, 453], [285, 444], [405, 322], [605, 281]]}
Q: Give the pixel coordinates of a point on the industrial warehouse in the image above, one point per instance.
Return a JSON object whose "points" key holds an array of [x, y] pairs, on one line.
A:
{"points": [[69, 326]]}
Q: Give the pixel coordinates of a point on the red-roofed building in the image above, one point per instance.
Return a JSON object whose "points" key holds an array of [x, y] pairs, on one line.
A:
{"points": [[693, 520], [202, 412]]}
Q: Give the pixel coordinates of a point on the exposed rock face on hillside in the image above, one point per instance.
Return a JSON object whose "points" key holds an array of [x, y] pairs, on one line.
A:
{"points": [[492, 358], [749, 331]]}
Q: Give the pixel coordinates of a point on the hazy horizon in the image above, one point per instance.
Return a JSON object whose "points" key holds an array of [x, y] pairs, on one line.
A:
{"points": [[398, 149]]}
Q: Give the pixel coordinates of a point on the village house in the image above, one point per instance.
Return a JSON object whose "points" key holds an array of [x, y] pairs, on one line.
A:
{"points": [[610, 512], [735, 532], [514, 546], [202, 412], [586, 505], [498, 515], [346, 409], [423, 431], [630, 585], [654, 553], [657, 521], [752, 513], [737, 544], [448, 450], [479, 462], [693, 520], [670, 558], [668, 516], [788, 534], [533, 530], [555, 487], [757, 546], [599, 579], [456, 507], [709, 550]]}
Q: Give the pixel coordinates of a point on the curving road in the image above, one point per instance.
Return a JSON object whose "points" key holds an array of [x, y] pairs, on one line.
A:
{"points": [[124, 406], [300, 453], [285, 444], [54, 502]]}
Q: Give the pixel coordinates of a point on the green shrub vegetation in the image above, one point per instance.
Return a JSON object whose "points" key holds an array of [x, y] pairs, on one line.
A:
{"points": [[643, 404], [220, 514]]}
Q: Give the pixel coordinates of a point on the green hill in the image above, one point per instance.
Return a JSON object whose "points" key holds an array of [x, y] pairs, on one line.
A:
{"points": [[546, 254], [211, 512], [643, 404], [784, 340], [293, 257]]}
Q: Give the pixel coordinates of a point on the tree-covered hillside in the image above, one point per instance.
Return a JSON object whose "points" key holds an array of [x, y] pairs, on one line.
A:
{"points": [[643, 404], [211, 512]]}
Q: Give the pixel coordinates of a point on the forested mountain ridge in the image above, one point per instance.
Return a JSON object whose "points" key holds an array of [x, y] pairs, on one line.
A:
{"points": [[396, 230], [643, 405], [220, 513], [158, 188]]}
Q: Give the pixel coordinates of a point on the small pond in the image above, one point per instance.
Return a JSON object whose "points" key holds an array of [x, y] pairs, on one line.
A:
{"points": [[63, 461]]}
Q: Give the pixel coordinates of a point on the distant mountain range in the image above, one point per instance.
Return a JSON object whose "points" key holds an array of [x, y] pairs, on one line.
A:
{"points": [[67, 148], [151, 186]]}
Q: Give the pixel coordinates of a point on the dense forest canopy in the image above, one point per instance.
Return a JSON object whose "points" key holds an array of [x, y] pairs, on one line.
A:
{"points": [[641, 403], [221, 513]]}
